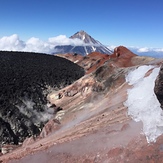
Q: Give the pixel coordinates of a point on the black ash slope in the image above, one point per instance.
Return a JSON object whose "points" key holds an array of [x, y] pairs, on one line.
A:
{"points": [[24, 79]]}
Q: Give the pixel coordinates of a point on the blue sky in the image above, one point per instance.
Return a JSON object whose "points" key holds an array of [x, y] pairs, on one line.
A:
{"points": [[112, 22]]}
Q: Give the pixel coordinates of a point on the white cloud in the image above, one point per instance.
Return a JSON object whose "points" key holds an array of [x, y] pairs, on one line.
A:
{"points": [[111, 47], [37, 45], [159, 50], [11, 43], [142, 50], [146, 49], [63, 40], [14, 43]]}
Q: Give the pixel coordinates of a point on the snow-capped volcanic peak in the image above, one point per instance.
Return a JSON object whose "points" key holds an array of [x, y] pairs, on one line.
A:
{"points": [[89, 45], [82, 35]]}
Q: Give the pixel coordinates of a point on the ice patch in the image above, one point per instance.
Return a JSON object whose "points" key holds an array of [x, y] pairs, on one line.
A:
{"points": [[142, 102], [94, 49], [137, 74]]}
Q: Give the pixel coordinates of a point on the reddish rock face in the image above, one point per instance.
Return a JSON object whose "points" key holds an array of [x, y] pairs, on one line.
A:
{"points": [[122, 51], [122, 57], [93, 125], [90, 62]]}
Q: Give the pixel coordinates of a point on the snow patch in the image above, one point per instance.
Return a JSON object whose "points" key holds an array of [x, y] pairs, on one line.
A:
{"points": [[137, 75], [142, 102], [94, 49], [83, 38], [86, 50]]}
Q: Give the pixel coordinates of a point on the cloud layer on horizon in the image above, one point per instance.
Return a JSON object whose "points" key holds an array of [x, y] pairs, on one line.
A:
{"points": [[14, 43], [146, 49]]}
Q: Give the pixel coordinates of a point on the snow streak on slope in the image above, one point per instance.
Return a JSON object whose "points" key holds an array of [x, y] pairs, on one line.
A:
{"points": [[142, 103]]}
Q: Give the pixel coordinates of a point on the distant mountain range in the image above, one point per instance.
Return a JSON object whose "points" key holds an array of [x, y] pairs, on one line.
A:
{"points": [[149, 53], [89, 45]]}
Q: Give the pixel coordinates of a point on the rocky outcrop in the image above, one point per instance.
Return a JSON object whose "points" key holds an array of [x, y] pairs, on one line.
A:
{"points": [[122, 51], [122, 57], [159, 87], [90, 62], [25, 81]]}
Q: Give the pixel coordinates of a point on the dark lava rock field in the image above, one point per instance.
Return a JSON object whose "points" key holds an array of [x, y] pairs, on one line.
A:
{"points": [[25, 81]]}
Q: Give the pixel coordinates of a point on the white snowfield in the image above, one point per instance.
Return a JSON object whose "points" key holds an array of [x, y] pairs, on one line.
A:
{"points": [[142, 102]]}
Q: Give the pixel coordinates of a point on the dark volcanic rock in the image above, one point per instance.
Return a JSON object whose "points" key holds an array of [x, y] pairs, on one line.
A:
{"points": [[159, 86], [25, 79]]}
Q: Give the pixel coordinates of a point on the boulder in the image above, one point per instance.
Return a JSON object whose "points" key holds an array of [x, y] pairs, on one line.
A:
{"points": [[158, 89]]}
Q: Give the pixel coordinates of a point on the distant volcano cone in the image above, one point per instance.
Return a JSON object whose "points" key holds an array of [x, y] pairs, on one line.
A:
{"points": [[89, 45], [82, 35]]}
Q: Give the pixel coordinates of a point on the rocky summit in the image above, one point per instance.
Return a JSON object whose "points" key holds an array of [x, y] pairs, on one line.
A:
{"points": [[110, 114]]}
